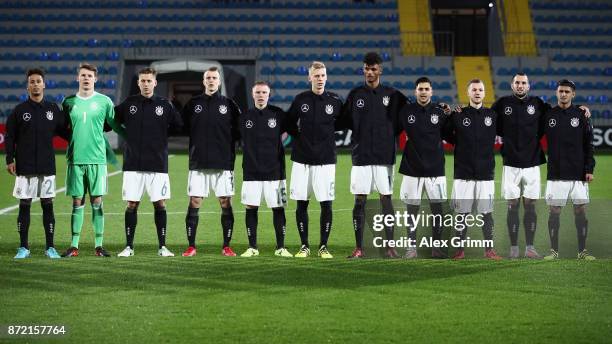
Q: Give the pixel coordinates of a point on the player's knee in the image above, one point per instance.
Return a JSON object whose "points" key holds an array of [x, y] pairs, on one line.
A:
{"points": [[159, 205], [195, 202], [96, 200], [133, 205], [225, 202], [77, 202], [25, 202], [251, 206], [385, 197], [555, 210], [44, 201], [513, 205], [579, 209], [359, 203], [302, 205], [326, 205]]}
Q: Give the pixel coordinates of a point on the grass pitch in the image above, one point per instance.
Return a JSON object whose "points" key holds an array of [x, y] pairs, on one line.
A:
{"points": [[212, 299]]}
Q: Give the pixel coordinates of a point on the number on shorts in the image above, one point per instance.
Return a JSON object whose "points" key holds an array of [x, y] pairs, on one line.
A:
{"points": [[332, 190], [164, 189], [49, 185], [282, 195]]}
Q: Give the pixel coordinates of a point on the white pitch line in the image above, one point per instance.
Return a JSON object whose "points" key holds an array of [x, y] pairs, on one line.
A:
{"points": [[62, 189]]}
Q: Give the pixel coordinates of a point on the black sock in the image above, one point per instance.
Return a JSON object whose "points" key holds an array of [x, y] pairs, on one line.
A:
{"points": [[553, 230], [227, 223], [358, 221], [513, 223], [23, 223], [487, 228], [280, 226], [161, 221], [325, 222], [131, 219], [251, 220], [387, 209], [412, 210], [191, 224], [48, 222], [436, 227], [301, 218], [582, 228], [530, 220]]}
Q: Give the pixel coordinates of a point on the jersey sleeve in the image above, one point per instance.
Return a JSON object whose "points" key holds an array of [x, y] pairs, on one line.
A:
{"points": [[61, 128], [292, 117], [175, 123], [236, 112], [589, 159], [346, 120], [448, 130]]}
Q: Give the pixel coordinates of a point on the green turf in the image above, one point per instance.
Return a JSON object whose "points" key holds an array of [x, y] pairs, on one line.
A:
{"points": [[214, 299]]}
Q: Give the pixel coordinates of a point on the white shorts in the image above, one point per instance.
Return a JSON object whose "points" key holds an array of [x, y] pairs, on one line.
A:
{"points": [[319, 180], [135, 183], [469, 195], [514, 178], [364, 179], [201, 181], [411, 190], [34, 186], [274, 191], [558, 191]]}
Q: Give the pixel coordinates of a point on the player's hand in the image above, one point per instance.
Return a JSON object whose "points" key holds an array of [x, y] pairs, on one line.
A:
{"points": [[587, 112], [588, 177], [457, 108], [11, 168], [446, 108]]}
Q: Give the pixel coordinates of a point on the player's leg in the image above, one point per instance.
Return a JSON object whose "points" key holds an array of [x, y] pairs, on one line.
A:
{"points": [[410, 193], [97, 219], [299, 187], [436, 193], [553, 232], [158, 188], [557, 192], [223, 186], [325, 223], [383, 183], [530, 219], [275, 193], [130, 222], [251, 221], [463, 197], [322, 181], [23, 227], [75, 187], [198, 185], [511, 191], [49, 225], [361, 186], [580, 197], [485, 195], [531, 193]]}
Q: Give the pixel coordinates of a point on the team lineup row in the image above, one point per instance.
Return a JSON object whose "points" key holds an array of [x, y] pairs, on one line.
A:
{"points": [[376, 114]]}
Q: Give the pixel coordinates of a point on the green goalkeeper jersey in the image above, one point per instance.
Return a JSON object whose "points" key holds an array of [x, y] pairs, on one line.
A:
{"points": [[87, 117]]}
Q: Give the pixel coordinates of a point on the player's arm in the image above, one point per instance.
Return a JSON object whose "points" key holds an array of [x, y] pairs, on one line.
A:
{"points": [[589, 159], [448, 129], [346, 117], [398, 100], [9, 142], [292, 117], [175, 125], [110, 119], [236, 112], [186, 116], [497, 107], [62, 129]]}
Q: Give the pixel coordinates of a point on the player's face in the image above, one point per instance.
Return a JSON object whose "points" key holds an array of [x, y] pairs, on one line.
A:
{"points": [[86, 79], [36, 85], [520, 85], [317, 78], [565, 94], [212, 81], [423, 93], [147, 83], [372, 73], [261, 94], [476, 93]]}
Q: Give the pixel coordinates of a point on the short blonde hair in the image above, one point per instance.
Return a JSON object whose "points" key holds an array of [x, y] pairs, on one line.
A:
{"points": [[316, 65]]}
